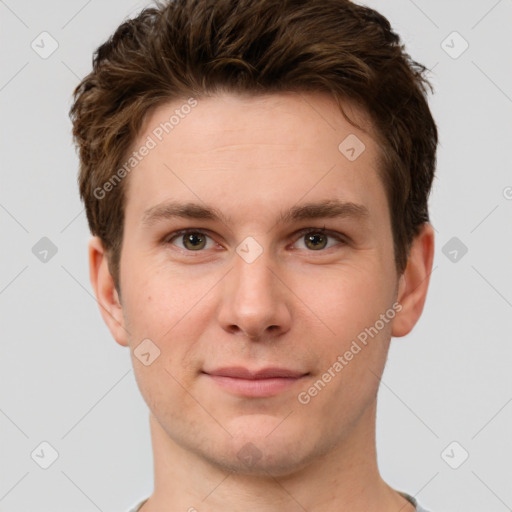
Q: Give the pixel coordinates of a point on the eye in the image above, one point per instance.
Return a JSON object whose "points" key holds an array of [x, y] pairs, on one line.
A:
{"points": [[311, 239], [191, 240], [317, 239]]}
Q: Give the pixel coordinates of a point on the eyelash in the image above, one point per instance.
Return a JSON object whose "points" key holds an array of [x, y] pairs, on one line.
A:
{"points": [[342, 239]]}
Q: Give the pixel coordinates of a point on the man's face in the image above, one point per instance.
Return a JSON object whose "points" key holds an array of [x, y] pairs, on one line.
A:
{"points": [[260, 281]]}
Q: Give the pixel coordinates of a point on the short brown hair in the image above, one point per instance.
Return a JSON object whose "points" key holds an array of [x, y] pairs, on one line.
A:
{"points": [[181, 48]]}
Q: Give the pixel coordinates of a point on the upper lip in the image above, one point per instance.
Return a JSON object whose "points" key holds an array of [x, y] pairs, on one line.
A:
{"points": [[240, 372]]}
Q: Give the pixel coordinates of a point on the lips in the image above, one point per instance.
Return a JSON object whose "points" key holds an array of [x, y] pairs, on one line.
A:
{"points": [[262, 383], [239, 372]]}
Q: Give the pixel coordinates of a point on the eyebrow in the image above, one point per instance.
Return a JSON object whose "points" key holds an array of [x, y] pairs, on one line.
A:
{"points": [[316, 210], [325, 209], [171, 210]]}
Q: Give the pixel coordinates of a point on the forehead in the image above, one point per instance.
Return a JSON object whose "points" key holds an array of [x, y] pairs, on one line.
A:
{"points": [[264, 151]]}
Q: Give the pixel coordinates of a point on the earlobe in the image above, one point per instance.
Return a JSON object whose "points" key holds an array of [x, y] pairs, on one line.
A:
{"points": [[413, 283], [106, 294]]}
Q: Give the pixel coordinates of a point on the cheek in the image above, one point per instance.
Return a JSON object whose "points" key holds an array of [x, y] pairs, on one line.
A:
{"points": [[353, 349], [168, 319], [172, 309], [347, 300], [160, 296]]}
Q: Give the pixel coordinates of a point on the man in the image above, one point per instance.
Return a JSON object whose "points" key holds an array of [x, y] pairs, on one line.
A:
{"points": [[256, 175]]}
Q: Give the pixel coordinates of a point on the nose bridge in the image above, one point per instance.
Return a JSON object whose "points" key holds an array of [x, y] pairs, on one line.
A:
{"points": [[254, 283], [253, 302]]}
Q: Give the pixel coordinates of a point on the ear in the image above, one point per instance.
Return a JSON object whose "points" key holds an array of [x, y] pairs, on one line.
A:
{"points": [[105, 291], [413, 283]]}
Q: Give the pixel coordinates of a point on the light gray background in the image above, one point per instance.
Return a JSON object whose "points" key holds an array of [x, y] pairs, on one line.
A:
{"points": [[66, 382]]}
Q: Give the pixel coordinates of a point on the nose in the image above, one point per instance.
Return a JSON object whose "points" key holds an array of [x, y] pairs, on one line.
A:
{"points": [[254, 301]]}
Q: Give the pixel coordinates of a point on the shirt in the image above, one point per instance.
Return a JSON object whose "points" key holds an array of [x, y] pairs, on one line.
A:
{"points": [[419, 508]]}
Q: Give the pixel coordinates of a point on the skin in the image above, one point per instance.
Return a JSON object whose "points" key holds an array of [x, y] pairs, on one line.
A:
{"points": [[253, 158]]}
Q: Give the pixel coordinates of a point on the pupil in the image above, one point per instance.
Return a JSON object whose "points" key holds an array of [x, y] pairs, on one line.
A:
{"points": [[194, 240], [316, 241]]}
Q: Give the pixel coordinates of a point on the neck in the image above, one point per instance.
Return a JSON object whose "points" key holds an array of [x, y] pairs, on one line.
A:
{"points": [[344, 478]]}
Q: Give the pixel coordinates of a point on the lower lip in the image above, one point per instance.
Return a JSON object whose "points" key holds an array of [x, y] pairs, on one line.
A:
{"points": [[255, 387]]}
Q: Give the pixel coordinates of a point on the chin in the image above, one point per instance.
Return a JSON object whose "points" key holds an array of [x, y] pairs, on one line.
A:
{"points": [[256, 462], [254, 453]]}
